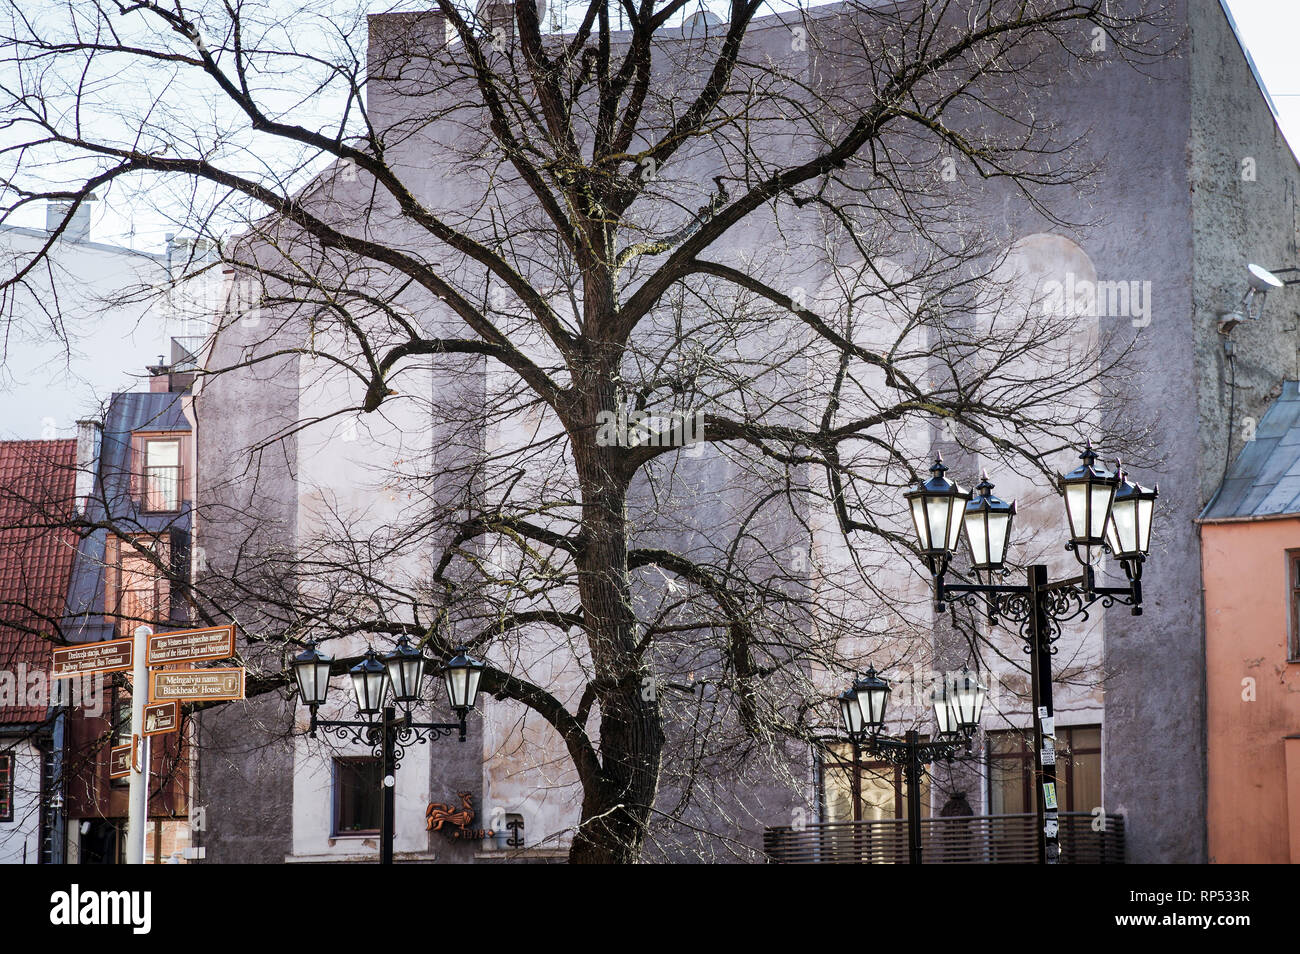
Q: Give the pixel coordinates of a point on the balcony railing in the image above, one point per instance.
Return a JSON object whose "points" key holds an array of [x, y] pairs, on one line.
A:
{"points": [[971, 839]]}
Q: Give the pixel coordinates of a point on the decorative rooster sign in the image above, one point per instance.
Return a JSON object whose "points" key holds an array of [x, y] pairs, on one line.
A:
{"points": [[453, 821]]}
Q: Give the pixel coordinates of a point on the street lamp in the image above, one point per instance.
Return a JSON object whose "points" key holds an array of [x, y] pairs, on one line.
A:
{"points": [[1105, 512], [988, 527], [872, 694], [462, 674], [380, 727], [966, 695], [1128, 534], [936, 506], [312, 670], [368, 680], [862, 708], [405, 666], [1089, 492]]}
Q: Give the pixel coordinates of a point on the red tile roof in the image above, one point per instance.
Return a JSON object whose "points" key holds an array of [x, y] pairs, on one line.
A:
{"points": [[37, 491]]}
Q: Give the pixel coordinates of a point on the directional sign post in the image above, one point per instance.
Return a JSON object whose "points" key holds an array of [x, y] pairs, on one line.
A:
{"points": [[191, 645], [137, 813], [119, 761], [115, 655], [156, 697], [161, 718], [196, 685]]}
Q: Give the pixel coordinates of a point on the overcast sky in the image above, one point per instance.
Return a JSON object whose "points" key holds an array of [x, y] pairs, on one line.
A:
{"points": [[1269, 29]]}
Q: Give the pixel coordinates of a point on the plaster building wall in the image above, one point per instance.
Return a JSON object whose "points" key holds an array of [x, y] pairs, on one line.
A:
{"points": [[1253, 704], [1168, 145], [243, 779], [20, 836]]}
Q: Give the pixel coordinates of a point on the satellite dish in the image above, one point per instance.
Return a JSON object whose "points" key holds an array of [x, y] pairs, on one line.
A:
{"points": [[699, 23], [1261, 279]]}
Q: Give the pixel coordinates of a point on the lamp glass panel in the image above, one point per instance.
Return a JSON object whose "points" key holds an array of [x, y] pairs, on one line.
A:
{"points": [[918, 520], [1102, 494], [319, 676], [872, 704], [1145, 513], [937, 510], [369, 689], [943, 714], [1076, 508], [313, 681], [851, 713], [954, 521], [999, 529], [456, 685], [977, 537], [1123, 526]]}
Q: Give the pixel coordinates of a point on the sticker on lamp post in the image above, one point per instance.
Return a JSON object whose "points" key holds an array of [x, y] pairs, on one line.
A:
{"points": [[1049, 751], [1049, 796]]}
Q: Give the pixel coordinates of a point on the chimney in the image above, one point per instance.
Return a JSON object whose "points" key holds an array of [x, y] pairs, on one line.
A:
{"points": [[78, 229], [159, 375], [88, 431], [492, 14]]}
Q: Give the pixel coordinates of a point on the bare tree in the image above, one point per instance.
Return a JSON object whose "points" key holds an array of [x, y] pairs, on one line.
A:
{"points": [[674, 306]]}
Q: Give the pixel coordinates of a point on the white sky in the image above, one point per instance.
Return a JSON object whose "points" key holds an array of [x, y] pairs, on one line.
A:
{"points": [[1269, 29]]}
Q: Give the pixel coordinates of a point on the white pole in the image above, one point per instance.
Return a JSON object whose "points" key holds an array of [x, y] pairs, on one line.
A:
{"points": [[137, 818]]}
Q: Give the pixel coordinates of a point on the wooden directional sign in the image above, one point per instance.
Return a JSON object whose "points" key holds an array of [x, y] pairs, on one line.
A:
{"points": [[162, 717], [196, 685], [119, 761], [191, 645], [112, 656]]}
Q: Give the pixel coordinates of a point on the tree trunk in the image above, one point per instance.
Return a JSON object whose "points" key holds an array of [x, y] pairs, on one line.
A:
{"points": [[616, 805]]}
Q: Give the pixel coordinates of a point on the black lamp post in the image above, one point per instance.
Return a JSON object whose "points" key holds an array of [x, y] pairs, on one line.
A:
{"points": [[957, 707], [1105, 513], [401, 671]]}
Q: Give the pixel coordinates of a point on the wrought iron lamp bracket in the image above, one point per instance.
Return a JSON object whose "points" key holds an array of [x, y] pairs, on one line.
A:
{"points": [[370, 732], [899, 751]]}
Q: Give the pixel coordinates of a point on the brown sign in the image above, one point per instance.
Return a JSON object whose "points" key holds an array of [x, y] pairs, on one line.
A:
{"points": [[196, 685], [119, 761], [191, 645], [112, 656], [162, 717]]}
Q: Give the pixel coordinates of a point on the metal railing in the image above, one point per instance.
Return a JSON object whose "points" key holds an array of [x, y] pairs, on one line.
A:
{"points": [[965, 839]]}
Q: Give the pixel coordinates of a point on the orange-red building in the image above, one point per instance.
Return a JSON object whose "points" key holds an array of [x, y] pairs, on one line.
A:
{"points": [[1250, 556]]}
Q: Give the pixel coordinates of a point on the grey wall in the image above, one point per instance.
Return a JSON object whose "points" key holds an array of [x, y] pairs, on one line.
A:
{"points": [[245, 504]]}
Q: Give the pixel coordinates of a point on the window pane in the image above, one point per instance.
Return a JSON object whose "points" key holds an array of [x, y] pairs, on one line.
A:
{"points": [[878, 794], [6, 788], [1007, 787], [162, 475], [836, 772], [1083, 739], [357, 795], [1086, 793], [1009, 773], [1006, 743], [163, 453]]}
